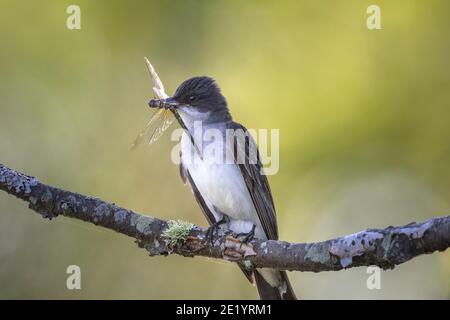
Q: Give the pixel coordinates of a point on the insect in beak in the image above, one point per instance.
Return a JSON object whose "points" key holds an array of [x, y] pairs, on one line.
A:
{"points": [[160, 121], [169, 103]]}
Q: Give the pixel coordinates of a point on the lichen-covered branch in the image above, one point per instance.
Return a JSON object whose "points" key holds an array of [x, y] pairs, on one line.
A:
{"points": [[382, 247]]}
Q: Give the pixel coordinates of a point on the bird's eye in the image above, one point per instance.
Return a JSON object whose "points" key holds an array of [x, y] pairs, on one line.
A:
{"points": [[191, 98]]}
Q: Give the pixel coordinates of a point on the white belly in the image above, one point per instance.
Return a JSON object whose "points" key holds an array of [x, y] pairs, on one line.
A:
{"points": [[223, 187]]}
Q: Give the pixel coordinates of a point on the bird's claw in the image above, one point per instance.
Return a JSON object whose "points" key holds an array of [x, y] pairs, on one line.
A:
{"points": [[247, 237], [213, 230]]}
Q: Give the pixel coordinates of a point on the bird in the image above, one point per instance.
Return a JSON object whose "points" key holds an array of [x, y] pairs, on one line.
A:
{"points": [[232, 191]]}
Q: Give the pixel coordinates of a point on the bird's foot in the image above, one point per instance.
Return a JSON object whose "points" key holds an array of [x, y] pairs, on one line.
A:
{"points": [[213, 230], [247, 237]]}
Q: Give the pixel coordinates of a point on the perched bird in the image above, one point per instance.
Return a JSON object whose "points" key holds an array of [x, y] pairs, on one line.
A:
{"points": [[232, 194]]}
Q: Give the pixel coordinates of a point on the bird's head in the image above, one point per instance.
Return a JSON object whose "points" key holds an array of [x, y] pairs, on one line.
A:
{"points": [[196, 99]]}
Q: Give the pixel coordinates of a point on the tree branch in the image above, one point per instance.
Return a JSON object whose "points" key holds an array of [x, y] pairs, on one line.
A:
{"points": [[382, 247]]}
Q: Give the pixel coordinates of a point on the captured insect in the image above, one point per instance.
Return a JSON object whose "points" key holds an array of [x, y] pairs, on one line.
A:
{"points": [[161, 119], [158, 123]]}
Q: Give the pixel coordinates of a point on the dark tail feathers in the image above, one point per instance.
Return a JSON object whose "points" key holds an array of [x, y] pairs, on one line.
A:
{"points": [[267, 292]]}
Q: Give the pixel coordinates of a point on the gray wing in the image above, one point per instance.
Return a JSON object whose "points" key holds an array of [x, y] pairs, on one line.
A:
{"points": [[257, 184]]}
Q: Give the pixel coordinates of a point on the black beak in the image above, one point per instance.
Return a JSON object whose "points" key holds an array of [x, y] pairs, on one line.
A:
{"points": [[169, 103]]}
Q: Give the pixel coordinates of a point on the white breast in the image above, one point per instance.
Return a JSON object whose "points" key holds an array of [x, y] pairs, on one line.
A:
{"points": [[223, 187]]}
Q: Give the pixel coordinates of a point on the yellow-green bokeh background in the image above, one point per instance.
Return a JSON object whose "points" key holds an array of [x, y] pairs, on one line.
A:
{"points": [[364, 119]]}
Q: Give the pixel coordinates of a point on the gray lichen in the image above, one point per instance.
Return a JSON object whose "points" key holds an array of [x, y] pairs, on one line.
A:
{"points": [[416, 231], [17, 181], [120, 216], [354, 245], [102, 210], [69, 204], [134, 219], [318, 253], [143, 223]]}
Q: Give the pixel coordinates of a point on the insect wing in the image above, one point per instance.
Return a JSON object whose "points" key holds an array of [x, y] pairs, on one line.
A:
{"points": [[158, 123], [147, 129], [167, 119]]}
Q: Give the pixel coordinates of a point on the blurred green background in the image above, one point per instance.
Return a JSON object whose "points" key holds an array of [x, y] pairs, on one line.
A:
{"points": [[364, 119]]}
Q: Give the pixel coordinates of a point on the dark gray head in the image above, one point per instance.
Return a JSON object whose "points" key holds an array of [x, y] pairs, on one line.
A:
{"points": [[197, 99]]}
